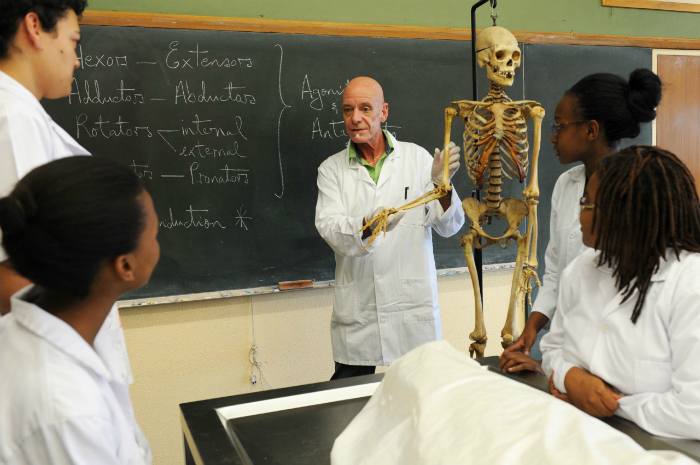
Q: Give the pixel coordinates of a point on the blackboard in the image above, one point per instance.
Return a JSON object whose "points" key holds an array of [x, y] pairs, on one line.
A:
{"points": [[227, 129]]}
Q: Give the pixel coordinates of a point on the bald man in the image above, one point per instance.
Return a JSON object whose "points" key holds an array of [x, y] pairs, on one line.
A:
{"points": [[385, 298]]}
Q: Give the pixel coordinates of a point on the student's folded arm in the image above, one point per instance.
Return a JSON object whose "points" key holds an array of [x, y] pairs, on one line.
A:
{"points": [[553, 360]]}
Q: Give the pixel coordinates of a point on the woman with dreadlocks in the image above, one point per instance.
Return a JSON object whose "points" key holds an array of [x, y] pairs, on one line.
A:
{"points": [[589, 122], [625, 339]]}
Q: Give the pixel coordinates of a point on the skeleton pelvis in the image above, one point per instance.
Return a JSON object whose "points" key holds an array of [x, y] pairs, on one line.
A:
{"points": [[513, 210]]}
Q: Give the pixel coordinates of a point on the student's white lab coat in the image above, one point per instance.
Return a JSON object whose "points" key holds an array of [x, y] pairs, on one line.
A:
{"points": [[385, 299], [30, 138], [565, 242], [61, 403], [653, 363]]}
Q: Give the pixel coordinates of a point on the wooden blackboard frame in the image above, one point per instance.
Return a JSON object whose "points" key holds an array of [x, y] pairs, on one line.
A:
{"points": [[653, 5], [216, 23]]}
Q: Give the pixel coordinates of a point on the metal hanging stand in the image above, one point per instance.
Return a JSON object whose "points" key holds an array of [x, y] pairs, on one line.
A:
{"points": [[478, 258]]}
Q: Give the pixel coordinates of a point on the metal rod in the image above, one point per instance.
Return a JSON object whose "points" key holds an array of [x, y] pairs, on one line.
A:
{"points": [[476, 193], [473, 30]]}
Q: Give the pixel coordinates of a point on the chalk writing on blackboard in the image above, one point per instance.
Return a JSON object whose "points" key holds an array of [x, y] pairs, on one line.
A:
{"points": [[195, 219], [279, 121], [92, 94], [108, 129], [240, 218], [96, 61], [200, 61], [316, 95]]}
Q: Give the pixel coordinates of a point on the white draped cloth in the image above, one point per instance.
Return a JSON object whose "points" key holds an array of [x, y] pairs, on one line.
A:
{"points": [[438, 406]]}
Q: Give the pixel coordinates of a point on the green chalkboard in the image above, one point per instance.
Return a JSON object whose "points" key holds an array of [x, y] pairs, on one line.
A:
{"points": [[227, 129]]}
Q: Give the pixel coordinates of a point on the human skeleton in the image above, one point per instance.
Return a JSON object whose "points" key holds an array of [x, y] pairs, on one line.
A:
{"points": [[495, 137], [494, 126]]}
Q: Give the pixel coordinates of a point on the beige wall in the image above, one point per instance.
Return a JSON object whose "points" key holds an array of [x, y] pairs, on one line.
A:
{"points": [[193, 351]]}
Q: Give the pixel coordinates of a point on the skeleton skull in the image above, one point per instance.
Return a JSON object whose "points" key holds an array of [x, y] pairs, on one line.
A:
{"points": [[498, 51]]}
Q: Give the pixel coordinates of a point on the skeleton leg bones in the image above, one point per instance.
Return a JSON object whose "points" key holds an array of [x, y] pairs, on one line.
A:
{"points": [[509, 333], [479, 334]]}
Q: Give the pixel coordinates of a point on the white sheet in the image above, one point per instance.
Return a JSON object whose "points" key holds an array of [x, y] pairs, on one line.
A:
{"points": [[438, 406]]}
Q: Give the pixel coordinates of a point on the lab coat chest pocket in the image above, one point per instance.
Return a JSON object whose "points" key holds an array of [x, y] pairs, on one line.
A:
{"points": [[415, 216], [652, 376], [346, 305]]}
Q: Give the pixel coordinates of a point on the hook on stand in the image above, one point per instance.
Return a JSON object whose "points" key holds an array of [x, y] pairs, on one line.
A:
{"points": [[494, 12]]}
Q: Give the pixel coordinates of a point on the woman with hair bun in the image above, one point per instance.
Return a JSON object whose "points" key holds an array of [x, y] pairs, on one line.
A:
{"points": [[589, 122], [83, 230], [625, 339]]}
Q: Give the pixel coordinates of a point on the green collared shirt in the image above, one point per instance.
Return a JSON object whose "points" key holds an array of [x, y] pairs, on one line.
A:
{"points": [[372, 170]]}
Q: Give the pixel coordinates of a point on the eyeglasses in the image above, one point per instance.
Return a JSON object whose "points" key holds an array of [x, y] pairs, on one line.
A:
{"points": [[556, 127], [585, 204]]}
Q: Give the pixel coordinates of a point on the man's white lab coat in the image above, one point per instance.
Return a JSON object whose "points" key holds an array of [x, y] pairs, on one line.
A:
{"points": [[385, 299]]}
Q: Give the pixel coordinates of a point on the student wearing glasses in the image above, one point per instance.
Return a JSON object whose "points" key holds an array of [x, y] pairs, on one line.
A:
{"points": [[589, 122], [625, 339]]}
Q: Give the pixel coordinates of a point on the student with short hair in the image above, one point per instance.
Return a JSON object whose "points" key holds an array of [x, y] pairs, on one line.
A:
{"points": [[37, 59], [38, 39], [589, 122], [625, 339], [83, 230]]}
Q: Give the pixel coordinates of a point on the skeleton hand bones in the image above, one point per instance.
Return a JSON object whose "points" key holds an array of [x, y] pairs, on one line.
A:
{"points": [[381, 221], [393, 217]]}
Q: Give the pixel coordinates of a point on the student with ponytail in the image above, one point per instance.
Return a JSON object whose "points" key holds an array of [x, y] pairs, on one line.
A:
{"points": [[83, 230], [589, 122]]}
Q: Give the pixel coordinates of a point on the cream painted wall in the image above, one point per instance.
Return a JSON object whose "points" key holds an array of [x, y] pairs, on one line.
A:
{"points": [[193, 351]]}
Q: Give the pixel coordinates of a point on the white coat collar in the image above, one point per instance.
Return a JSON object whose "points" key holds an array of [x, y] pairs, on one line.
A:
{"points": [[67, 146], [15, 88], [666, 265], [578, 173], [387, 168], [660, 275], [56, 332]]}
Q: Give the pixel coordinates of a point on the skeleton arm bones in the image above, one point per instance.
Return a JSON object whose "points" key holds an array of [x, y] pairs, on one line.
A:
{"points": [[439, 192], [532, 191]]}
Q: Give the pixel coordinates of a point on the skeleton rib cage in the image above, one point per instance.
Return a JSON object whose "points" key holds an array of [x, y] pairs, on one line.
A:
{"points": [[495, 137]]}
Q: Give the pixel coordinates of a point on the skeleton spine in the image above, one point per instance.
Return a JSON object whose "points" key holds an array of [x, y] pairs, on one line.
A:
{"points": [[493, 190]]}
